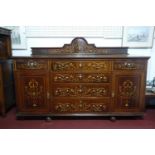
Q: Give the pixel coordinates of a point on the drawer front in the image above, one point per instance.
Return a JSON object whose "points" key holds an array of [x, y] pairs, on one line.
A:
{"points": [[82, 90], [81, 66], [81, 105], [80, 77], [128, 65], [31, 64]]}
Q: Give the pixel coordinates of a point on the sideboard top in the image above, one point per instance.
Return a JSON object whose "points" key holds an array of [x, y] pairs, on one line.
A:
{"points": [[79, 46]]}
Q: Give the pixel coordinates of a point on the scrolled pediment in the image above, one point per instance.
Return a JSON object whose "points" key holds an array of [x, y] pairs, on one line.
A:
{"points": [[78, 45]]}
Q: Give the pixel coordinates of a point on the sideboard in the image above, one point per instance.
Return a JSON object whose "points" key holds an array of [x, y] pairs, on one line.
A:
{"points": [[7, 96], [80, 79]]}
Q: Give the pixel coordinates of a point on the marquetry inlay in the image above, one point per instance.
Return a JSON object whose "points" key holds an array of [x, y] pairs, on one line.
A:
{"points": [[127, 93], [81, 91], [33, 92], [92, 66], [81, 78], [64, 66], [31, 64], [126, 65], [78, 46], [81, 106], [96, 66], [127, 89]]}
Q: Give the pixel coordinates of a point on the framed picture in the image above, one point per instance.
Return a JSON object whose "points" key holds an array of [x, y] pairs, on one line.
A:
{"points": [[138, 36], [18, 37]]}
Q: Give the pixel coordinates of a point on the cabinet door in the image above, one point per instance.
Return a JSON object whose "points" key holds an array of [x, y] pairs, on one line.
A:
{"points": [[128, 92], [32, 91]]}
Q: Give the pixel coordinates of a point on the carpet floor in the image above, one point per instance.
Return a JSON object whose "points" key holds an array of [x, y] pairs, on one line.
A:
{"points": [[148, 122]]}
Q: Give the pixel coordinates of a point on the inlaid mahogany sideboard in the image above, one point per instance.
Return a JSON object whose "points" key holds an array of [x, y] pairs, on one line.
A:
{"points": [[7, 96], [80, 79]]}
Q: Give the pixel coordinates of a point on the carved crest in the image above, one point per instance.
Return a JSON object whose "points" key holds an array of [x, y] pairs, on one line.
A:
{"points": [[78, 45]]}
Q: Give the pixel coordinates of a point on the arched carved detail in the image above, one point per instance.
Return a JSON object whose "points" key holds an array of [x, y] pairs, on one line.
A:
{"points": [[79, 45]]}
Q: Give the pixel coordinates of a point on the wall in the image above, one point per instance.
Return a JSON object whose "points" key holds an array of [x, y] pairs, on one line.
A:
{"points": [[59, 41]]}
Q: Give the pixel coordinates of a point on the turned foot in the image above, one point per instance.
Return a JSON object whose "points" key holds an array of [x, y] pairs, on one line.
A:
{"points": [[113, 118], [48, 119]]}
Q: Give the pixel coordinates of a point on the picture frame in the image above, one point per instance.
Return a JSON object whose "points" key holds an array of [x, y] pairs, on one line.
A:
{"points": [[138, 36], [18, 37]]}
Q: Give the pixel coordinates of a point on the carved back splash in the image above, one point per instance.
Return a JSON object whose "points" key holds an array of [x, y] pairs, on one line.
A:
{"points": [[78, 45]]}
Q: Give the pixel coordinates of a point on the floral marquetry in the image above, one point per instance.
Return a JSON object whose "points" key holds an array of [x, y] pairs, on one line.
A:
{"points": [[97, 78], [128, 91], [82, 66], [81, 90], [81, 106], [33, 91], [31, 64]]}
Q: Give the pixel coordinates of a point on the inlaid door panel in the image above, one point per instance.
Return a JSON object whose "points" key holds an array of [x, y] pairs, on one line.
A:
{"points": [[32, 91], [128, 91]]}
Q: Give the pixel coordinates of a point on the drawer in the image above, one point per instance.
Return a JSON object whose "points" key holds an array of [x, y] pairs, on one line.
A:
{"points": [[31, 64], [81, 90], [81, 77], [81, 66], [128, 65], [80, 105]]}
